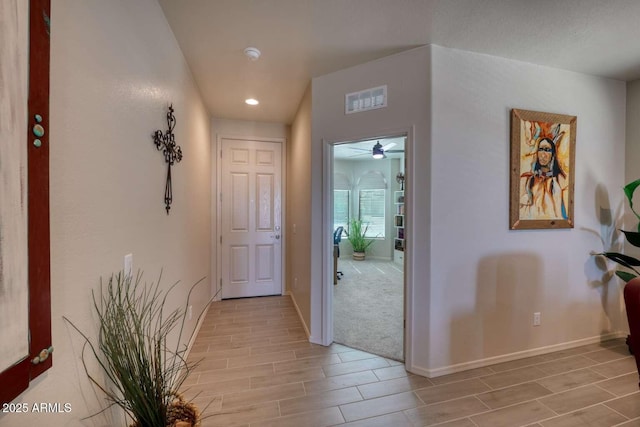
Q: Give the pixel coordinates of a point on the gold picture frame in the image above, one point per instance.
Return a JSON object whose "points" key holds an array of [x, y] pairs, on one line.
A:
{"points": [[542, 170]]}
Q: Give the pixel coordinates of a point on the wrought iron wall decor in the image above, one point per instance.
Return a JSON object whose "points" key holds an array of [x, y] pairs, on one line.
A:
{"points": [[172, 153]]}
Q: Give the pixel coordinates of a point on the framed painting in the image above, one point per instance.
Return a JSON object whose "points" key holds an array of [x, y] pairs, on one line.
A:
{"points": [[25, 290], [542, 170], [14, 272]]}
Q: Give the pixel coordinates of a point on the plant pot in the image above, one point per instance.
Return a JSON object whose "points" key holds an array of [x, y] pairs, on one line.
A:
{"points": [[632, 304], [358, 256]]}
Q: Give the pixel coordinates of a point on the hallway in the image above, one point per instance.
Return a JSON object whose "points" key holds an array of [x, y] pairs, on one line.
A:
{"points": [[260, 370]]}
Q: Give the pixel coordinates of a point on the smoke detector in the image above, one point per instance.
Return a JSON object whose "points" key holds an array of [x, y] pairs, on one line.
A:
{"points": [[252, 53]]}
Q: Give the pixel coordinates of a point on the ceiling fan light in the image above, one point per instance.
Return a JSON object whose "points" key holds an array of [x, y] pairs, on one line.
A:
{"points": [[378, 152]]}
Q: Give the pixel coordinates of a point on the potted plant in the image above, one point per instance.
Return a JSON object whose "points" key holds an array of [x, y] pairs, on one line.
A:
{"points": [[630, 276], [633, 237], [132, 350], [356, 236]]}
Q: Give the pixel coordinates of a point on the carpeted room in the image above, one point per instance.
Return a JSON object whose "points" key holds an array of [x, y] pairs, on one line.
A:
{"points": [[368, 307]]}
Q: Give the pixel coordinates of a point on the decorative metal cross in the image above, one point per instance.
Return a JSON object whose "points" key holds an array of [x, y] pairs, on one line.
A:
{"points": [[172, 153]]}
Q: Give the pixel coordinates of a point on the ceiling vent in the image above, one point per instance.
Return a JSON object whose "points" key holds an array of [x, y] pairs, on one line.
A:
{"points": [[368, 99]]}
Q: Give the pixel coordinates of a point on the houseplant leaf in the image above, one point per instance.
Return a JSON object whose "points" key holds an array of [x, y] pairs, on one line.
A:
{"points": [[622, 259], [625, 261], [629, 189], [633, 237], [626, 276]]}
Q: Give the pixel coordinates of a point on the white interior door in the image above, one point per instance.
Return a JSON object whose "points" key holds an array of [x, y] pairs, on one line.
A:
{"points": [[251, 213]]}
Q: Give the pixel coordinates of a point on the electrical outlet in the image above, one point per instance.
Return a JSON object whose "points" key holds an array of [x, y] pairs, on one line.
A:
{"points": [[190, 312], [536, 318]]}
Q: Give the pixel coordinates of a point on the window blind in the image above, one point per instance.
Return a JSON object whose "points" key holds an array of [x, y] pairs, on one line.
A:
{"points": [[371, 205], [341, 209]]}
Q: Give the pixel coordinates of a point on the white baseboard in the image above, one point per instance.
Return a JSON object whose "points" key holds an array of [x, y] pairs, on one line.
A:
{"points": [[196, 330], [451, 369], [295, 304]]}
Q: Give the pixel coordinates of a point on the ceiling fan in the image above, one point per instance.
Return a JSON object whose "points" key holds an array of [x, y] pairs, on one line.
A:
{"points": [[378, 151]]}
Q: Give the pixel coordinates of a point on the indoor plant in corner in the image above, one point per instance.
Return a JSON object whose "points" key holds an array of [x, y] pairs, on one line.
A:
{"points": [[144, 373], [633, 237], [356, 236], [632, 279]]}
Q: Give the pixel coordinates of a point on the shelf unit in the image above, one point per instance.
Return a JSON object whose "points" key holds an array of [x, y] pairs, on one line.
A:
{"points": [[398, 222]]}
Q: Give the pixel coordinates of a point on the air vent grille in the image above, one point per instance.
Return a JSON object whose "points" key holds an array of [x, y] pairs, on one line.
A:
{"points": [[368, 99]]}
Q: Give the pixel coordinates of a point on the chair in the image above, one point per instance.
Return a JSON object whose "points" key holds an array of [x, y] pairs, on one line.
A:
{"points": [[337, 237]]}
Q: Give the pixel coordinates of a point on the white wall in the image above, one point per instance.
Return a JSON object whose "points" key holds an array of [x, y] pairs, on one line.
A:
{"points": [[299, 218], [632, 153], [632, 157], [245, 128], [115, 68], [486, 280]]}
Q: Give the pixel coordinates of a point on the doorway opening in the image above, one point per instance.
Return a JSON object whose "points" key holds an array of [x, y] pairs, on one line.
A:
{"points": [[369, 202]]}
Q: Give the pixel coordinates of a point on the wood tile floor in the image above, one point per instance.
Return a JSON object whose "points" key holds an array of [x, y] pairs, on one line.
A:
{"points": [[259, 370]]}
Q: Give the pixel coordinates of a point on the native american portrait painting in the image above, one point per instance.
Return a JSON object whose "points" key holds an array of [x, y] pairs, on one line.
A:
{"points": [[542, 170]]}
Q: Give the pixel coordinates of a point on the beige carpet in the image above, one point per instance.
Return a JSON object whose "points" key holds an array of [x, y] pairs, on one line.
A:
{"points": [[368, 307]]}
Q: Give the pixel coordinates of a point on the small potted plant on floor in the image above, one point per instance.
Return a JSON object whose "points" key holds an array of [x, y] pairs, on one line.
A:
{"points": [[356, 236], [145, 374]]}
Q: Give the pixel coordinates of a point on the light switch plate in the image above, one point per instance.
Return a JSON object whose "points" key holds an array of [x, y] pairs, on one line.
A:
{"points": [[128, 265]]}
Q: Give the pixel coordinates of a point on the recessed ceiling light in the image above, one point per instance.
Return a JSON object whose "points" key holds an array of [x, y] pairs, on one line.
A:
{"points": [[251, 101]]}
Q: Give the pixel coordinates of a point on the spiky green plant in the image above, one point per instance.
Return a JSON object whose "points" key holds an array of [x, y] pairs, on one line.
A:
{"points": [[356, 235], [633, 237], [144, 373]]}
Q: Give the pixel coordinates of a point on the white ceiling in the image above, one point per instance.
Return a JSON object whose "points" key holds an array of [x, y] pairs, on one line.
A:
{"points": [[301, 39]]}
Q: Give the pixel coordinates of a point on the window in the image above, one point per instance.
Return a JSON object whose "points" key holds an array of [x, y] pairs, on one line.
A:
{"points": [[341, 209], [372, 211]]}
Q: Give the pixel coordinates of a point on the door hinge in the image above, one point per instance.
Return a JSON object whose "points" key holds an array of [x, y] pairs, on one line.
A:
{"points": [[220, 239], [221, 283], [220, 153]]}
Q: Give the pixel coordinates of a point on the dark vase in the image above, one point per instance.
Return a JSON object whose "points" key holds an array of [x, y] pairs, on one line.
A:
{"points": [[632, 303]]}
